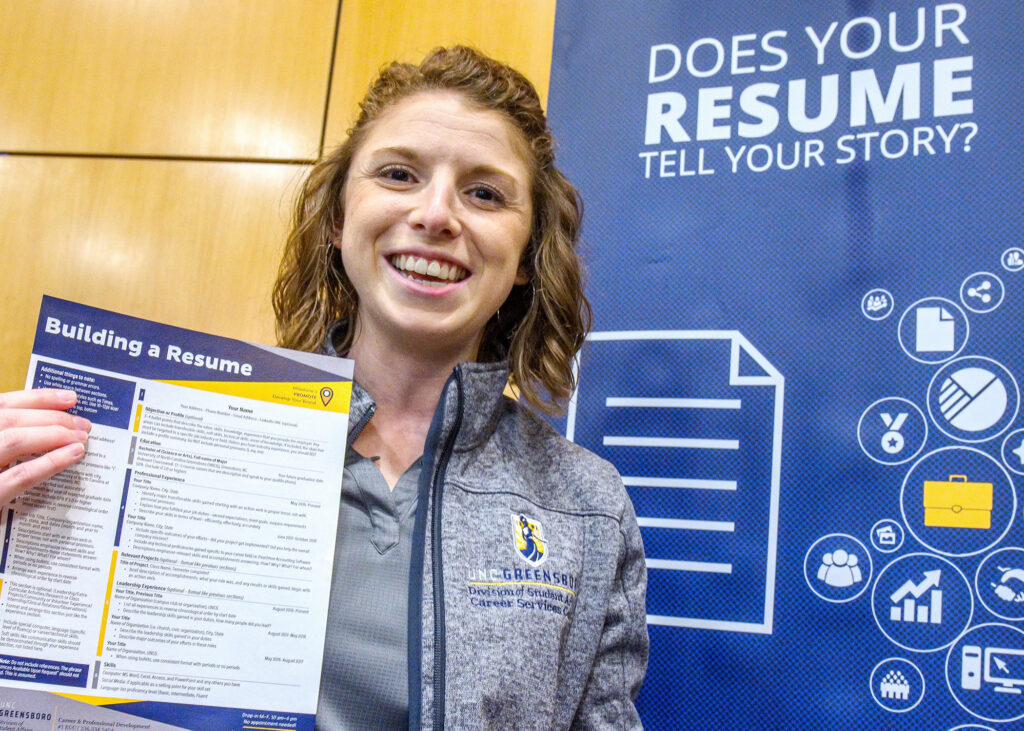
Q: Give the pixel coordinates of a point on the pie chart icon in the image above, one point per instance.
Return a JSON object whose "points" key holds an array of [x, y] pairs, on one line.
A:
{"points": [[972, 399]]}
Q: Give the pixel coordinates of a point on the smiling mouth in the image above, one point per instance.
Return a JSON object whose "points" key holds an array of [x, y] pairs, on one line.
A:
{"points": [[431, 272]]}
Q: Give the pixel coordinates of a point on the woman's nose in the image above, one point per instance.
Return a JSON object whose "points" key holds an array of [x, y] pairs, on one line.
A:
{"points": [[435, 211]]}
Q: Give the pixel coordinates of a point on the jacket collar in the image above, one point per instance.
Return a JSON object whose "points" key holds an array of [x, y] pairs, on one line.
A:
{"points": [[482, 384]]}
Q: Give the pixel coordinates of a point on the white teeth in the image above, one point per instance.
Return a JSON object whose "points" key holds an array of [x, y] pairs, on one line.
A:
{"points": [[409, 264]]}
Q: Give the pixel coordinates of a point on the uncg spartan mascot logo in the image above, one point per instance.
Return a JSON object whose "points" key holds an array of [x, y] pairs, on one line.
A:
{"points": [[529, 539]]}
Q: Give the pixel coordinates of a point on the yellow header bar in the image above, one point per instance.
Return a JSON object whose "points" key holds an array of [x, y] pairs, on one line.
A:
{"points": [[330, 396]]}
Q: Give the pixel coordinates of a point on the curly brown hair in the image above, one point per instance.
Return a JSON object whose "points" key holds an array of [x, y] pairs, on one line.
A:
{"points": [[541, 326]]}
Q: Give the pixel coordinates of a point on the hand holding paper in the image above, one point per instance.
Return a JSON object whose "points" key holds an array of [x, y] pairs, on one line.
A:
{"points": [[185, 561], [33, 422]]}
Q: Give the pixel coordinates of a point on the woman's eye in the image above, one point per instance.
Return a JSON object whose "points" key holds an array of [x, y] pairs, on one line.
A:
{"points": [[398, 175], [486, 195]]}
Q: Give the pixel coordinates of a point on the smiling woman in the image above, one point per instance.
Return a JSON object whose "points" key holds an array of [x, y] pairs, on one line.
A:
{"points": [[486, 570], [541, 325], [437, 186], [437, 248]]}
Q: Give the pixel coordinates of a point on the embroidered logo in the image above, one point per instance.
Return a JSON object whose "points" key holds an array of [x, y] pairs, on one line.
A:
{"points": [[529, 539]]}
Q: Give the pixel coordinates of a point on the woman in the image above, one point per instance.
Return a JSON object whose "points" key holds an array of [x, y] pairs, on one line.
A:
{"points": [[488, 573]]}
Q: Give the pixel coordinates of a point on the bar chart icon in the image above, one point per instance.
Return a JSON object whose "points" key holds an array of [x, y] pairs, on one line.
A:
{"points": [[920, 602]]}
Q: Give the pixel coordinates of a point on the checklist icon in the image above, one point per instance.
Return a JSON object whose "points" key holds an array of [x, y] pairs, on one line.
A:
{"points": [[693, 422]]}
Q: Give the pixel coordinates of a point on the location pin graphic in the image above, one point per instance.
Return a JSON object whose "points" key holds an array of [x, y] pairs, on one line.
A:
{"points": [[326, 394]]}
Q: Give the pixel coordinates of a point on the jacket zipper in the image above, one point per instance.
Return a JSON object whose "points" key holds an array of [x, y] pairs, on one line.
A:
{"points": [[358, 427], [435, 554]]}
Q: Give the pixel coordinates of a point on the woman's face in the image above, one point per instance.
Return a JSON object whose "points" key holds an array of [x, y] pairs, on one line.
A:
{"points": [[437, 216]]}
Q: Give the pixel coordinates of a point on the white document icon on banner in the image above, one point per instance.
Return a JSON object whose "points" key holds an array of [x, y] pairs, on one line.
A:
{"points": [[936, 330], [693, 422]]}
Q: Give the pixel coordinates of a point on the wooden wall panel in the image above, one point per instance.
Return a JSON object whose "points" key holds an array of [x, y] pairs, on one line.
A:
{"points": [[207, 78], [194, 244], [519, 32], [191, 243]]}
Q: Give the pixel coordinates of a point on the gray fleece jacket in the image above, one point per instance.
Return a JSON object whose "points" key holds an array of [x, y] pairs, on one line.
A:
{"points": [[526, 597]]}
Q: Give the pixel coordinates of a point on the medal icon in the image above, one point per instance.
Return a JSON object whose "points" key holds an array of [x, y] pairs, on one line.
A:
{"points": [[892, 440], [892, 430]]}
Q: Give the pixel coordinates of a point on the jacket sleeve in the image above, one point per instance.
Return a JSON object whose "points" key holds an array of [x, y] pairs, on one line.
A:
{"points": [[621, 659]]}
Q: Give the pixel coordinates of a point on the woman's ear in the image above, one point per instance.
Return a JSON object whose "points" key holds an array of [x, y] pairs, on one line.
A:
{"points": [[334, 239], [522, 275]]}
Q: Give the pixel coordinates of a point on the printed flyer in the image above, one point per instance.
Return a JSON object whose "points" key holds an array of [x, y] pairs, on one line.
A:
{"points": [[179, 575]]}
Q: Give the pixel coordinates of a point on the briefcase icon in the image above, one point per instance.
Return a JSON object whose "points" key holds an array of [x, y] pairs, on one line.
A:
{"points": [[957, 503]]}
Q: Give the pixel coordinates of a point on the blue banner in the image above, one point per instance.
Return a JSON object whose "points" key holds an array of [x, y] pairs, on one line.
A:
{"points": [[804, 256]]}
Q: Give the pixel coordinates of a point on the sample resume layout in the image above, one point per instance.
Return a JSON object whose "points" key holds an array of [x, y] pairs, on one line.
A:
{"points": [[179, 575]]}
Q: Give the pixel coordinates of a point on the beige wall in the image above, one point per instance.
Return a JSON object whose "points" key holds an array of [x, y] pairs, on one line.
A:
{"points": [[150, 149]]}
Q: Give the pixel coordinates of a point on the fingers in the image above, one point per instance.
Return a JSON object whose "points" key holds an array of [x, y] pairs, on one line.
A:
{"points": [[18, 418], [30, 423], [38, 398], [18, 442], [33, 424], [20, 477], [37, 407]]}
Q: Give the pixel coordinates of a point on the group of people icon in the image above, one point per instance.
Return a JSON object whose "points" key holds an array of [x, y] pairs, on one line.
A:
{"points": [[839, 569]]}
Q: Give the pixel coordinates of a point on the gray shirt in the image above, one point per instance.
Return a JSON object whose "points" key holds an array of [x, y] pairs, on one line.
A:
{"points": [[364, 682]]}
